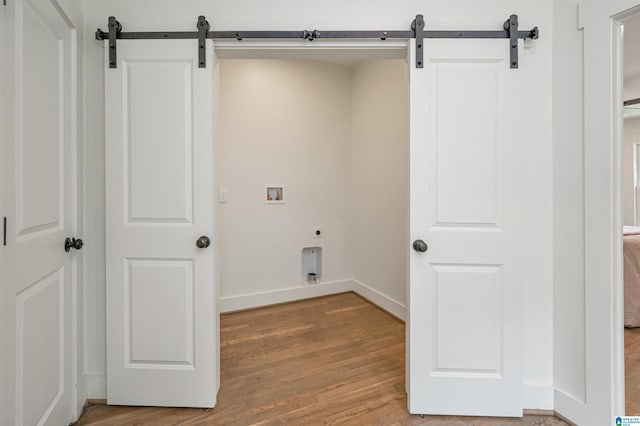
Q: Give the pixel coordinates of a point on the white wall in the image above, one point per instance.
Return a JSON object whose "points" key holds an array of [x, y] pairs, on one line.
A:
{"points": [[538, 217], [568, 218], [380, 182], [159, 15], [335, 137], [94, 256], [630, 136], [74, 11], [288, 123]]}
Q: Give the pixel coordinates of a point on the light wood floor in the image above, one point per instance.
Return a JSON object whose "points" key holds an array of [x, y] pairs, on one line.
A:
{"points": [[332, 360], [632, 370]]}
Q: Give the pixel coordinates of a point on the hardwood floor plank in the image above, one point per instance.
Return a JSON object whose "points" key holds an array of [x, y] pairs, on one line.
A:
{"points": [[331, 360], [632, 371]]}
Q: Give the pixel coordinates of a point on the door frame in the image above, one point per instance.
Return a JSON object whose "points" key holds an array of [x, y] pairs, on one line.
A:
{"points": [[636, 170], [301, 49], [603, 120]]}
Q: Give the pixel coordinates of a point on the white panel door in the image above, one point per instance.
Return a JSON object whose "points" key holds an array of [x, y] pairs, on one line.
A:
{"points": [[465, 302], [37, 172], [161, 304]]}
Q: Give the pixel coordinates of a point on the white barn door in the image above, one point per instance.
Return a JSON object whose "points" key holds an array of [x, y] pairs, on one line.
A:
{"points": [[465, 301], [161, 304], [36, 175]]}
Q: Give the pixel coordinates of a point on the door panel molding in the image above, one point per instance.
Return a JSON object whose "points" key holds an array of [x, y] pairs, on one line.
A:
{"points": [[34, 375], [160, 194], [465, 291], [162, 319]]}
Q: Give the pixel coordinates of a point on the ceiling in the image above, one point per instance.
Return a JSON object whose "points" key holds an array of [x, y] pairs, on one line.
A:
{"points": [[320, 50]]}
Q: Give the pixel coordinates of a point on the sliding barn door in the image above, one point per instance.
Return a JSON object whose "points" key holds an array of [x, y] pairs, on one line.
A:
{"points": [[161, 301], [465, 301], [36, 175]]}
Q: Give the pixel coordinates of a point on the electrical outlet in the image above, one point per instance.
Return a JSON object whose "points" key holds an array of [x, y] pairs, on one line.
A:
{"points": [[317, 232]]}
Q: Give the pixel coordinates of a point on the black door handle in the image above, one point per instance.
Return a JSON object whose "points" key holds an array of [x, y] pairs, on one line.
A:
{"points": [[70, 243], [203, 242], [420, 246]]}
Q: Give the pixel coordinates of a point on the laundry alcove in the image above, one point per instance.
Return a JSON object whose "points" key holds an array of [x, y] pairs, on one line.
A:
{"points": [[330, 127]]}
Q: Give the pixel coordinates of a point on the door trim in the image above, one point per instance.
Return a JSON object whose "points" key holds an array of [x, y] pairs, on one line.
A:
{"points": [[286, 49], [604, 303]]}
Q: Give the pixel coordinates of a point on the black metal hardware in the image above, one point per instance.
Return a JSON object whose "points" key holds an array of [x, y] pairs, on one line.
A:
{"points": [[4, 231], [203, 242], [310, 35], [74, 243], [203, 29], [420, 246], [630, 102], [114, 29], [511, 25], [418, 32], [240, 35], [418, 28]]}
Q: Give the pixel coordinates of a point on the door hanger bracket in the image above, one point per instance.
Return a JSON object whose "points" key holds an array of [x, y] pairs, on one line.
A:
{"points": [[511, 26], [418, 30], [112, 35], [114, 28], [203, 30]]}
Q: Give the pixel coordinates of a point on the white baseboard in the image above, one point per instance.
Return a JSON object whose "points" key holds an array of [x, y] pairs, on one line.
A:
{"points": [[570, 407], [254, 300], [394, 307], [537, 397], [96, 386]]}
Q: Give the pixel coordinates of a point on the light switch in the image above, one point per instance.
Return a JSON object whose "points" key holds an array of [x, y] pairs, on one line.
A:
{"points": [[222, 196]]}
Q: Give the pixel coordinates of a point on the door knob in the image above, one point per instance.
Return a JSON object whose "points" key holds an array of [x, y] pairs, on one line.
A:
{"points": [[420, 246], [70, 243], [203, 242]]}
